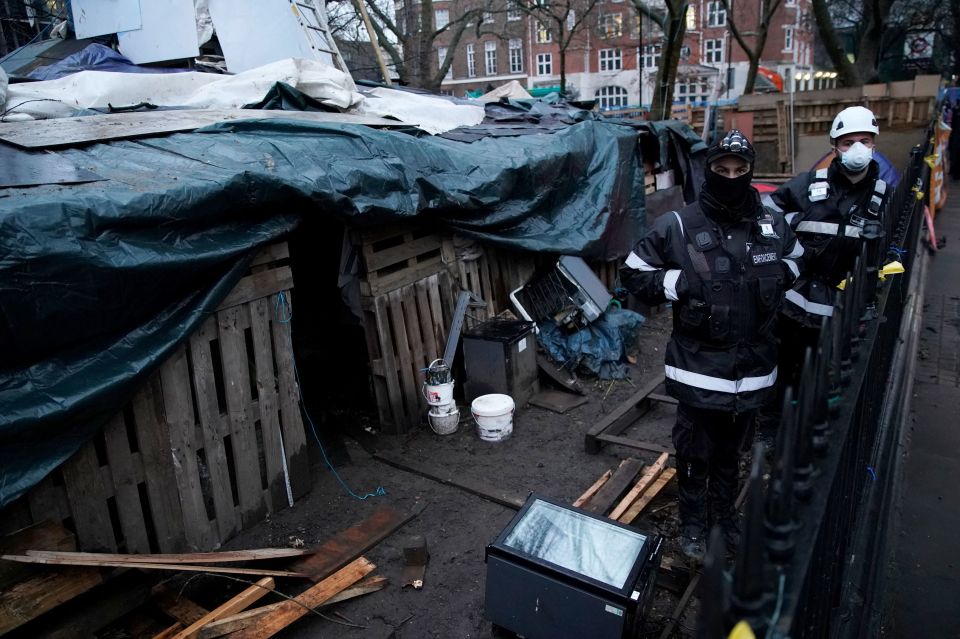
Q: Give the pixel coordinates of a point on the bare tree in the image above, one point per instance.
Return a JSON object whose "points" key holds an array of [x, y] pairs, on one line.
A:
{"points": [[869, 28], [561, 21], [410, 34], [673, 22], [767, 9]]}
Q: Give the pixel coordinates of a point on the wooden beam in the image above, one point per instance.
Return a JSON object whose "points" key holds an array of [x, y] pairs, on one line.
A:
{"points": [[240, 602], [151, 566], [176, 558], [289, 611], [612, 424], [636, 444], [649, 475], [177, 606], [637, 507], [245, 619], [611, 491], [590, 492], [27, 600]]}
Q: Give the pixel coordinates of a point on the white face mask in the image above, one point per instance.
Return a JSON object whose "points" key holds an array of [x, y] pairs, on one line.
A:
{"points": [[857, 157]]}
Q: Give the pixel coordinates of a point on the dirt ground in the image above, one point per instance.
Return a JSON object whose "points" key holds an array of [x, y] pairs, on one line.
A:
{"points": [[545, 455]]}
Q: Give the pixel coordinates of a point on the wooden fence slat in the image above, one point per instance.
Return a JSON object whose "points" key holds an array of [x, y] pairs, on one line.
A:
{"points": [[129, 509], [294, 436], [436, 312], [84, 484], [267, 403], [376, 260], [404, 361], [430, 345], [153, 436], [389, 362], [414, 335], [209, 410], [243, 440], [257, 286], [178, 409]]}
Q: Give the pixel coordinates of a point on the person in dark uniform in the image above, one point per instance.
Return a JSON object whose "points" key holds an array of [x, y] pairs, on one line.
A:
{"points": [[725, 262], [827, 208]]}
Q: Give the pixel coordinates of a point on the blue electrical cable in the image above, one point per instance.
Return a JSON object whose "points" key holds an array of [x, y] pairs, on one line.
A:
{"points": [[281, 304]]}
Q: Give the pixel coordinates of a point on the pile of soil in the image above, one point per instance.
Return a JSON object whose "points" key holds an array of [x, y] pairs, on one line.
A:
{"points": [[544, 455]]}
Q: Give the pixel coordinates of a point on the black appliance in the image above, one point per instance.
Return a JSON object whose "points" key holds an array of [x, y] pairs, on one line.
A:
{"points": [[500, 356]]}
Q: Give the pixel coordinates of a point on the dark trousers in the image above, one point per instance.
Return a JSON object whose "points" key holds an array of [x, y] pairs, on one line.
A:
{"points": [[708, 445], [794, 340]]}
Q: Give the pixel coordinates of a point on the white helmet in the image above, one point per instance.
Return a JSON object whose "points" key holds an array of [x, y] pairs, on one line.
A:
{"points": [[855, 119]]}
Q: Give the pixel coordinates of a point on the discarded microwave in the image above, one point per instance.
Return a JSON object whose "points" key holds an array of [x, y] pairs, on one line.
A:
{"points": [[559, 572], [569, 293]]}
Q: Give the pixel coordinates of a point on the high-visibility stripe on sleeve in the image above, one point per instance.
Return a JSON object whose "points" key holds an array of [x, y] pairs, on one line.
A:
{"points": [[789, 217], [810, 307], [823, 228], [792, 266], [796, 251], [680, 222], [767, 201], [637, 263], [708, 382], [852, 231], [670, 284]]}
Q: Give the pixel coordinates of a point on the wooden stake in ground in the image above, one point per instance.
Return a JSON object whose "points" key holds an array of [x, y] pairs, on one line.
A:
{"points": [[649, 476], [289, 611]]}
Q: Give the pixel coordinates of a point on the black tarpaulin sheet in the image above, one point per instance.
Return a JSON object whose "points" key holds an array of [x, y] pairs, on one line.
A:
{"points": [[100, 282]]}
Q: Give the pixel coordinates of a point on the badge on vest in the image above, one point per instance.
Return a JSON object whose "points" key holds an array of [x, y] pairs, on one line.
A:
{"points": [[764, 258], [818, 191], [766, 227]]}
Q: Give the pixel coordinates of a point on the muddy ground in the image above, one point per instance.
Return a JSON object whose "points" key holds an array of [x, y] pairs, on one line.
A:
{"points": [[545, 455]]}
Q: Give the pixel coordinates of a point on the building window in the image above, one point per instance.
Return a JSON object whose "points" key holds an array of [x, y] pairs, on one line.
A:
{"points": [[611, 25], [691, 18], [516, 56], [651, 56], [611, 59], [544, 64], [543, 34], [513, 13], [611, 97], [788, 38], [442, 16], [637, 25], [490, 57], [471, 61], [716, 14], [681, 96], [713, 51], [441, 56]]}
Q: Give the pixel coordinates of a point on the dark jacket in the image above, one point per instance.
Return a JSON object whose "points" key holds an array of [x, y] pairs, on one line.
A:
{"points": [[726, 282], [827, 212]]}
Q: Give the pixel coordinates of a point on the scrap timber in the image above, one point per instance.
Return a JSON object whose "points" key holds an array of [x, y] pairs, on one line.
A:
{"points": [[607, 430]]}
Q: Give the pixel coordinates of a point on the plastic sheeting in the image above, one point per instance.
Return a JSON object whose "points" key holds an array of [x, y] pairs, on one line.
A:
{"points": [[95, 57], [599, 348], [101, 281]]}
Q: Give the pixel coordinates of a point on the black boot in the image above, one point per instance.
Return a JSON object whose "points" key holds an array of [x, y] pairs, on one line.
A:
{"points": [[692, 483], [722, 497]]}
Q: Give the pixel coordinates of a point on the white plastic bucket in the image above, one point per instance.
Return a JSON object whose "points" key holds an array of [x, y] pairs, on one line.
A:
{"points": [[494, 416], [444, 420], [438, 395]]}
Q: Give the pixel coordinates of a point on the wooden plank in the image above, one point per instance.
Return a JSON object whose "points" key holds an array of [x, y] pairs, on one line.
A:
{"points": [[215, 454], [28, 599], [268, 405], [221, 557], [119, 126], [30, 559], [408, 383], [614, 488], [242, 620], [129, 509], [376, 260], [48, 500], [243, 440], [258, 285], [242, 601], [650, 474], [415, 337], [271, 253], [436, 312], [291, 423], [389, 362], [430, 344], [84, 484], [454, 478], [290, 611], [386, 283], [350, 543], [48, 535], [590, 492], [176, 606], [153, 436], [198, 530], [634, 511], [606, 425], [637, 444]]}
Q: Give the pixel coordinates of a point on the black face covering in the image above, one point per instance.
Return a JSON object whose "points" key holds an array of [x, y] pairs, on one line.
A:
{"points": [[727, 199]]}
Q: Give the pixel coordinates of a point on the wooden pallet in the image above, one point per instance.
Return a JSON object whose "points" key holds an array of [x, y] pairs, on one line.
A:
{"points": [[199, 452], [406, 330], [398, 255], [492, 273]]}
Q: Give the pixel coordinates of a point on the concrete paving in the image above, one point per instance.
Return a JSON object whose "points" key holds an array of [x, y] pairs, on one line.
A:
{"points": [[924, 587]]}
